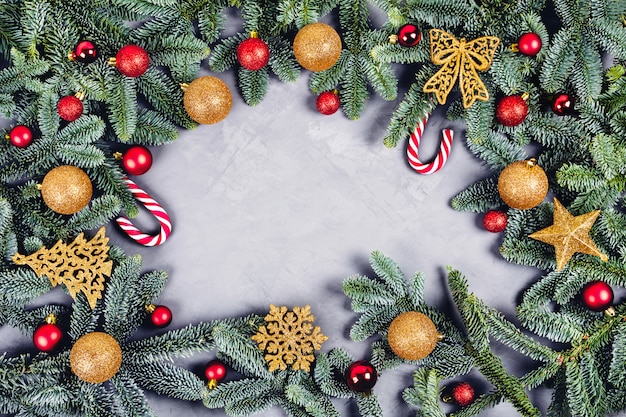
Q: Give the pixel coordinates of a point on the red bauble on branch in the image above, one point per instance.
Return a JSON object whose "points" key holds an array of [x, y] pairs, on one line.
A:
{"points": [[512, 110], [463, 394], [85, 52], [361, 376], [253, 53], [70, 108], [20, 136], [562, 104], [597, 295], [137, 160], [529, 44], [215, 371], [495, 221], [160, 316], [48, 335], [408, 36], [131, 60], [328, 102]]}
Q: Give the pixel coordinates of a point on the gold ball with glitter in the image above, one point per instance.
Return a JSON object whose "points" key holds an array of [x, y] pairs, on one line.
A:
{"points": [[317, 46], [66, 189], [95, 357], [523, 184], [207, 100], [412, 335]]}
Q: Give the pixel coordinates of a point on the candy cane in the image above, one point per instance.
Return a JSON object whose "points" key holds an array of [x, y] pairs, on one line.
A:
{"points": [[153, 207], [442, 156]]}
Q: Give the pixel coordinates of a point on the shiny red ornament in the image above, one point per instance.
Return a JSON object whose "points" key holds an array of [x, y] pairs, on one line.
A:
{"points": [[70, 108], [85, 52], [328, 102], [495, 221], [409, 35], [463, 394], [253, 54], [137, 160], [132, 61], [511, 110], [361, 376], [529, 44], [47, 336], [562, 104], [597, 295], [161, 316], [215, 371], [20, 136]]}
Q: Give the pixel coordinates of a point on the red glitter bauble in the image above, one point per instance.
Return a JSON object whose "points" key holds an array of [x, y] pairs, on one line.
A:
{"points": [[253, 54], [328, 102], [70, 108], [409, 35], [529, 44], [47, 337], [84, 52], [511, 110], [161, 316], [137, 160], [132, 61], [21, 136], [495, 221], [597, 295], [463, 394], [361, 376], [562, 104]]}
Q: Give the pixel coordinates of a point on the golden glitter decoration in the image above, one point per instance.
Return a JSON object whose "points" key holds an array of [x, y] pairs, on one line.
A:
{"points": [[207, 100], [95, 357], [66, 189], [317, 46], [289, 338], [412, 335], [569, 235], [523, 184], [82, 265], [462, 60]]}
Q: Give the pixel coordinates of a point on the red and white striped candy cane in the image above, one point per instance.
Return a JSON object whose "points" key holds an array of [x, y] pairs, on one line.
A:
{"points": [[440, 159], [157, 211]]}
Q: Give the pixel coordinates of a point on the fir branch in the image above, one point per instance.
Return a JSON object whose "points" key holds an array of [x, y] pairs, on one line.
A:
{"points": [[168, 379], [478, 197], [425, 393]]}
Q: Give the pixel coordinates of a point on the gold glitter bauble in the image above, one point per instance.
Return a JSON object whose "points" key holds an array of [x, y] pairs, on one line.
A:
{"points": [[66, 189], [317, 47], [412, 335], [95, 357], [207, 100], [523, 184]]}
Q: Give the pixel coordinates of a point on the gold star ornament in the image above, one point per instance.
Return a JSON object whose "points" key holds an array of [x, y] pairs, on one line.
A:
{"points": [[569, 235]]}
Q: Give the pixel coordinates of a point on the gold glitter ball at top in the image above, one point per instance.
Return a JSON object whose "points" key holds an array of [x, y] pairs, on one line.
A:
{"points": [[95, 357], [317, 47], [412, 335], [207, 100], [523, 184], [66, 189]]}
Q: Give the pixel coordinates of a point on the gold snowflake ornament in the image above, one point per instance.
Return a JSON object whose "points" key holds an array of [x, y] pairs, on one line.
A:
{"points": [[289, 338]]}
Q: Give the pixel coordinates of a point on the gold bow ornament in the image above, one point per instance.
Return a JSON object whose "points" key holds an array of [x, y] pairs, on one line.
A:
{"points": [[462, 60]]}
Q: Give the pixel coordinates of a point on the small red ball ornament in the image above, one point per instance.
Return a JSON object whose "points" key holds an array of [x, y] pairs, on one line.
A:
{"points": [[529, 44], [409, 35], [512, 110], [328, 102], [597, 295], [137, 160], [463, 394], [131, 60], [562, 104], [84, 52], [47, 336], [495, 221], [20, 136], [361, 376], [70, 108], [215, 371], [160, 316], [253, 53]]}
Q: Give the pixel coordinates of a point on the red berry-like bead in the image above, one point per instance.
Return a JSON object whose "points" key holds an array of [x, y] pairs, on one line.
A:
{"points": [[253, 54], [529, 44], [511, 110], [597, 295], [85, 52], [495, 221], [328, 102], [161, 316], [409, 35], [463, 394], [132, 61], [361, 376], [47, 337], [70, 108], [137, 160], [21, 136], [562, 104]]}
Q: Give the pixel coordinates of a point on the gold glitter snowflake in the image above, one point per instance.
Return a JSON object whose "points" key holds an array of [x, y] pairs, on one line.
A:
{"points": [[289, 338]]}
